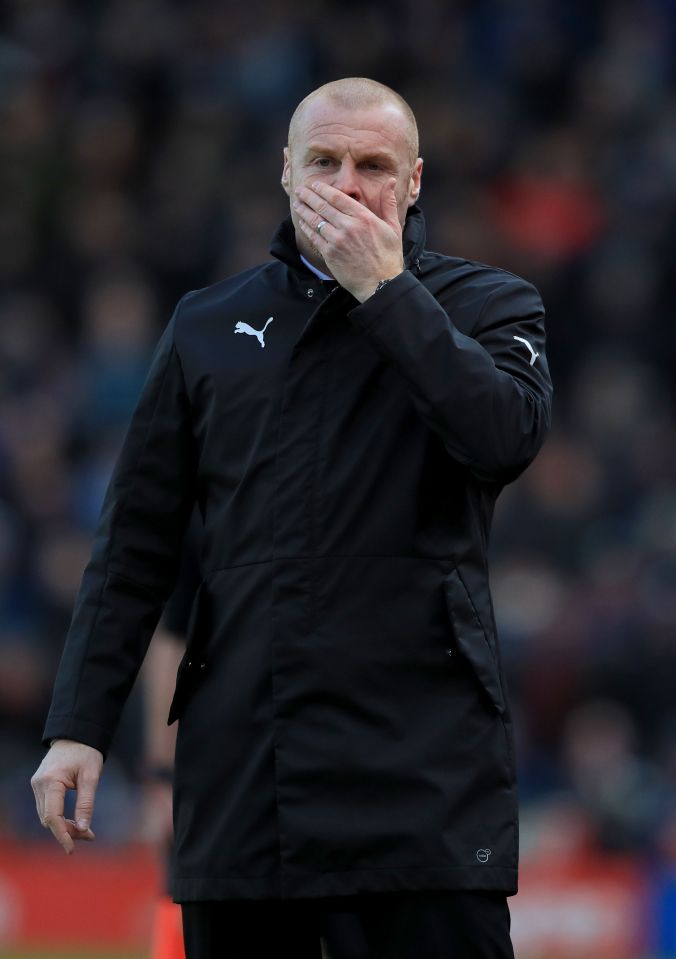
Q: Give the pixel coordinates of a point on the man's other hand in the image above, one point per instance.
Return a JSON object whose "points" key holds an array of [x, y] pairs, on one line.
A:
{"points": [[67, 765]]}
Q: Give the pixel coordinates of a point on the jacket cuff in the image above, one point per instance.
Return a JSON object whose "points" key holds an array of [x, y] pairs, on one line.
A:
{"points": [[369, 313], [79, 730]]}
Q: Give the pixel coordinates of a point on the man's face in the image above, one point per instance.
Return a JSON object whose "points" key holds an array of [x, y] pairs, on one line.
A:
{"points": [[356, 151]]}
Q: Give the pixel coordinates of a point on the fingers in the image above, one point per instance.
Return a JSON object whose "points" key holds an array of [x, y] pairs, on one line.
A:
{"points": [[75, 832], [69, 832], [84, 804], [65, 831], [312, 219], [67, 765], [324, 199], [324, 202], [39, 798], [318, 240], [309, 220], [53, 818]]}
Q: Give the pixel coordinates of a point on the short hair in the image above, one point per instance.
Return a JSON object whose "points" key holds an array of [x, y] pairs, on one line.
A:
{"points": [[358, 93]]}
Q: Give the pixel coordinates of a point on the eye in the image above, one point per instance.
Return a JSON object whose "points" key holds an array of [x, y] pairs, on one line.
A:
{"points": [[323, 162]]}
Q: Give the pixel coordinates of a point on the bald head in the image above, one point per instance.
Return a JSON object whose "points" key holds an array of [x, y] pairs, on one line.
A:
{"points": [[356, 136], [360, 93]]}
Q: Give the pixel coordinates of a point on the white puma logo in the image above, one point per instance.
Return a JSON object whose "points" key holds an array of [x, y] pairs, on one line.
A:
{"points": [[533, 354], [241, 327]]}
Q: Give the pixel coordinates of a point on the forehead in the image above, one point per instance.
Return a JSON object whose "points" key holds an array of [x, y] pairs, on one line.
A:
{"points": [[381, 127]]}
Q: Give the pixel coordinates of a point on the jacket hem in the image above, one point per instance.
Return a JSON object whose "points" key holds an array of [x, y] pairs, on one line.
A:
{"points": [[347, 883]]}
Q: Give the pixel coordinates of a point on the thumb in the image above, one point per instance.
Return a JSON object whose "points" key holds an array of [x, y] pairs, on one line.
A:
{"points": [[84, 803], [389, 203]]}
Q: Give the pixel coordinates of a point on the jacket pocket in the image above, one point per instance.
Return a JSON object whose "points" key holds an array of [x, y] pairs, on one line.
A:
{"points": [[472, 640], [193, 665]]}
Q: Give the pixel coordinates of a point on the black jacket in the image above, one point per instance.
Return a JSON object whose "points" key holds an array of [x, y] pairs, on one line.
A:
{"points": [[344, 726]]}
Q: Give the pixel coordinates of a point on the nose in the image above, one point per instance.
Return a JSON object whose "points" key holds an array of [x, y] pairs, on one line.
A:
{"points": [[347, 180]]}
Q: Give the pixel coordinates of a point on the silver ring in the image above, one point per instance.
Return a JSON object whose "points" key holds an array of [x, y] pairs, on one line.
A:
{"points": [[319, 226]]}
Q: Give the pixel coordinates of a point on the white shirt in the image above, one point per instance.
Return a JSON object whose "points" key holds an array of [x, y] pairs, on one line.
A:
{"points": [[322, 276]]}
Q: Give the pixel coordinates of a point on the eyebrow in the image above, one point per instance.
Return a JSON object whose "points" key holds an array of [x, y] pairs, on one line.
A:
{"points": [[323, 149]]}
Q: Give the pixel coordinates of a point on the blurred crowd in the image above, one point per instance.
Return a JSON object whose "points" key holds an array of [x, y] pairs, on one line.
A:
{"points": [[141, 143]]}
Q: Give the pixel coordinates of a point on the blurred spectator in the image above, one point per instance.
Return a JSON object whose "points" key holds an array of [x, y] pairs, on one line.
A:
{"points": [[623, 794]]}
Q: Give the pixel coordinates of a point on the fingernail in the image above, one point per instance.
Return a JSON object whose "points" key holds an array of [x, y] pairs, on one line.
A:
{"points": [[82, 824], [315, 186]]}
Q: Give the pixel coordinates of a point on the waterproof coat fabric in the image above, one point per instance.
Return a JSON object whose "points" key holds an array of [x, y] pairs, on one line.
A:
{"points": [[343, 720]]}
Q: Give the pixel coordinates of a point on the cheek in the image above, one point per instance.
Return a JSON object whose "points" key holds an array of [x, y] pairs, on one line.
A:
{"points": [[402, 197]]}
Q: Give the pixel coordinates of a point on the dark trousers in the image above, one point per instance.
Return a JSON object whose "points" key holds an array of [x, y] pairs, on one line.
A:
{"points": [[396, 925]]}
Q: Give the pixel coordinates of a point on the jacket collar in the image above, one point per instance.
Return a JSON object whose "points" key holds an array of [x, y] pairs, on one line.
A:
{"points": [[283, 245]]}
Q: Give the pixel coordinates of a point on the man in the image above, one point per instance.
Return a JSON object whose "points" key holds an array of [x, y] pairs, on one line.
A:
{"points": [[345, 739]]}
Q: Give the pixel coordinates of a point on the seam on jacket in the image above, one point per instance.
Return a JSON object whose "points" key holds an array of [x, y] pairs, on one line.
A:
{"points": [[274, 559], [115, 517], [274, 618], [494, 398], [112, 573], [207, 573], [178, 355], [484, 307], [478, 619]]}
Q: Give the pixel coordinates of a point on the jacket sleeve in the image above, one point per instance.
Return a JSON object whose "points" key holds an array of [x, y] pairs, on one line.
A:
{"points": [[488, 395], [134, 559]]}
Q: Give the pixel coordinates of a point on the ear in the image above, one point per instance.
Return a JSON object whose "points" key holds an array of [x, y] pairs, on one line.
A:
{"points": [[414, 182], [286, 181]]}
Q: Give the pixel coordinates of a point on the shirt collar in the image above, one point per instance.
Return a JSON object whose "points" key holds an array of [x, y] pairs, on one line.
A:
{"points": [[322, 276]]}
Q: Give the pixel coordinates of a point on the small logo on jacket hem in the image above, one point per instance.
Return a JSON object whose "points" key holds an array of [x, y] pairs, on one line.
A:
{"points": [[241, 327], [483, 854]]}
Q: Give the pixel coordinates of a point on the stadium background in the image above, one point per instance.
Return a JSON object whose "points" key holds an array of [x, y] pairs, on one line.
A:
{"points": [[141, 148]]}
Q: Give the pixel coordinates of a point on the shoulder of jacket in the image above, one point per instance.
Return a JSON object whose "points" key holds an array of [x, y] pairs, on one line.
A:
{"points": [[215, 293], [470, 287], [471, 273]]}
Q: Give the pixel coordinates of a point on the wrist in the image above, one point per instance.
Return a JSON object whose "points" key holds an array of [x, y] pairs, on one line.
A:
{"points": [[381, 284], [375, 287]]}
